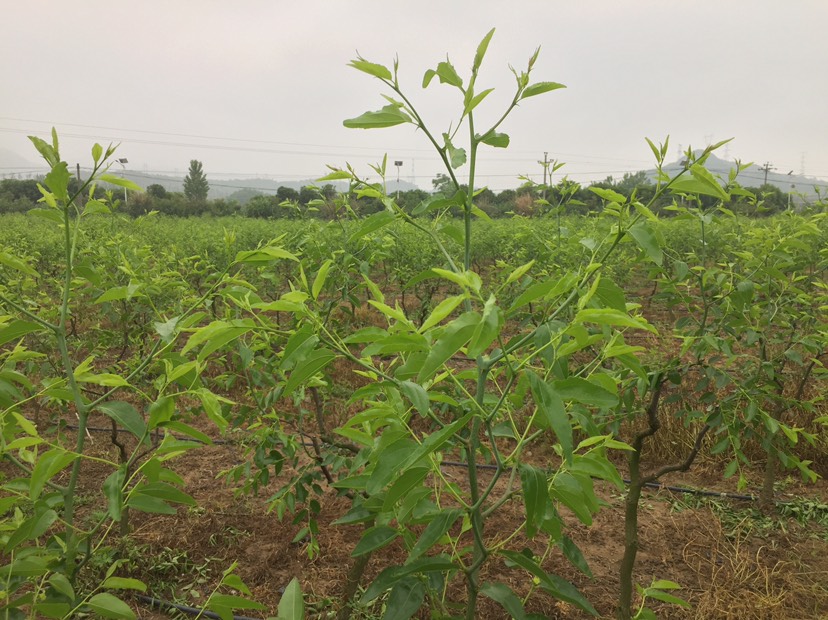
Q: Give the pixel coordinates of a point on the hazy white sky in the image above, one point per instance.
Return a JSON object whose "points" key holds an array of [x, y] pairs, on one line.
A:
{"points": [[262, 87]]}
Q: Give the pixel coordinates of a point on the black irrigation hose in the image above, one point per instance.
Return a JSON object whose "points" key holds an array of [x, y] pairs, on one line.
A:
{"points": [[193, 611], [702, 492], [651, 485]]}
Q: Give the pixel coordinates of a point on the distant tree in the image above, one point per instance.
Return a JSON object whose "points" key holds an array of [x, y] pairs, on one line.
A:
{"points": [[263, 206], [771, 199], [286, 193], [307, 193], [410, 199], [16, 189], [485, 201], [195, 183], [632, 181], [442, 184], [157, 191], [244, 195], [505, 200]]}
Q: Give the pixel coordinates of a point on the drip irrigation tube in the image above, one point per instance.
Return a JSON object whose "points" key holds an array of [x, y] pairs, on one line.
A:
{"points": [[702, 492], [651, 485], [193, 611]]}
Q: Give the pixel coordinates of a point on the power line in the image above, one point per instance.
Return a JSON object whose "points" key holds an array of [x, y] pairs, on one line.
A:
{"points": [[197, 136]]}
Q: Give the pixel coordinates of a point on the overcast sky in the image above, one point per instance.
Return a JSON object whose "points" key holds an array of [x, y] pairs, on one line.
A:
{"points": [[261, 88]]}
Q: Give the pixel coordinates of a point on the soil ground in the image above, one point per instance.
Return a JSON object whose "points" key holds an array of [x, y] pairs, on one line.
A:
{"points": [[732, 562]]}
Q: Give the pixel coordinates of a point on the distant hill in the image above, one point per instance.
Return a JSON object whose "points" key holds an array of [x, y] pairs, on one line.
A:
{"points": [[753, 176], [12, 164], [222, 188]]}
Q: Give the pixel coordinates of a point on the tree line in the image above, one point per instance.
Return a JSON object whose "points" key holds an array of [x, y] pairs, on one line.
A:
{"points": [[326, 202]]}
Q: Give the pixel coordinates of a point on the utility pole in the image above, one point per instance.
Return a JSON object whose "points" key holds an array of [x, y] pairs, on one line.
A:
{"points": [[767, 168], [545, 164], [398, 164], [124, 161]]}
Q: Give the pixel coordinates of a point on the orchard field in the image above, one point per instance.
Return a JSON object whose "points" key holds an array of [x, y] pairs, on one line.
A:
{"points": [[415, 414]]}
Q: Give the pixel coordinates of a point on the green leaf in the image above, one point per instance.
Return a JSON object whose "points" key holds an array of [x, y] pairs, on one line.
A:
{"points": [[264, 255], [647, 241], [117, 293], [505, 597], [336, 175], [535, 497], [46, 214], [586, 392], [699, 183], [388, 116], [417, 395], [610, 294], [551, 406], [48, 465], [126, 416], [109, 606], [441, 311], [539, 88], [319, 281], [391, 575], [474, 101], [124, 583], [467, 279], [392, 313], [403, 484], [46, 150], [455, 335], [435, 441], [609, 195], [481, 50], [487, 329], [228, 602], [292, 604], [610, 316], [700, 173], [148, 503], [552, 584], [17, 329], [574, 555], [495, 139], [406, 598], [62, 585], [113, 489], [212, 407], [31, 566], [448, 75], [57, 180], [104, 378], [166, 491], [519, 272], [167, 329], [96, 206], [374, 538], [391, 462], [120, 182], [371, 68], [307, 368], [457, 156], [370, 224], [16, 263], [549, 288], [433, 532]]}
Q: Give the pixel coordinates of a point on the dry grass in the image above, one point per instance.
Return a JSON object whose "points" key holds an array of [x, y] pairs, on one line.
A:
{"points": [[743, 578]]}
